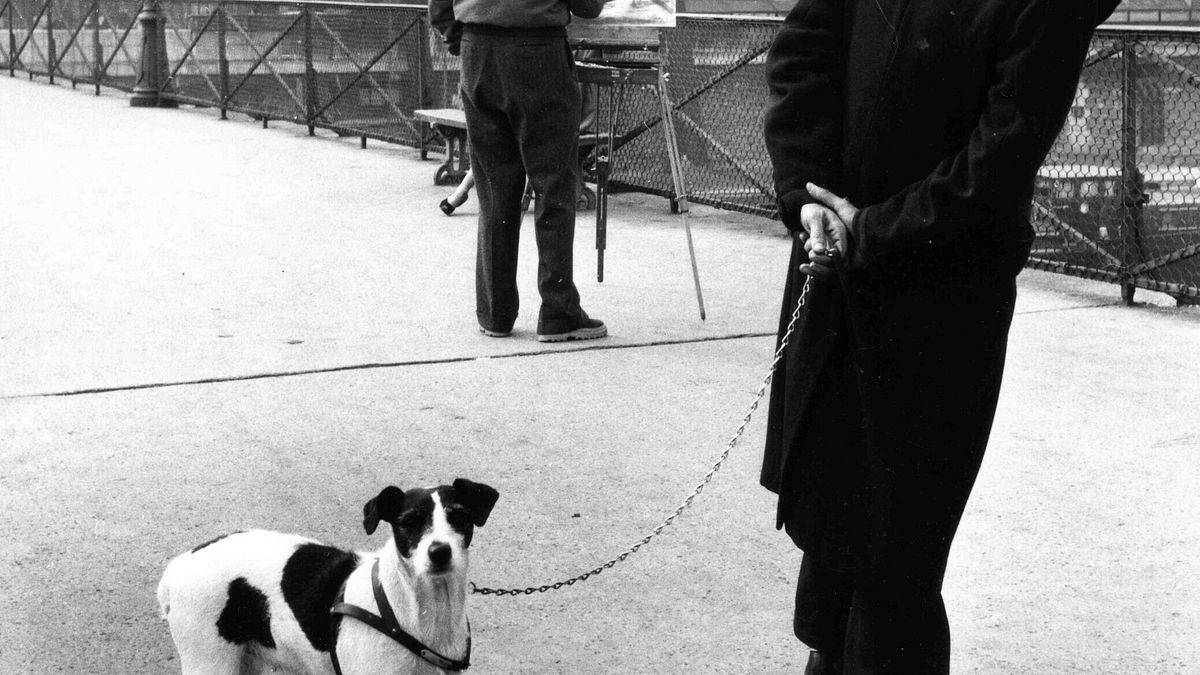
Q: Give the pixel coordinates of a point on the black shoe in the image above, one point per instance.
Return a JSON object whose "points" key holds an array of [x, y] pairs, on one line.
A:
{"points": [[494, 333], [822, 664], [586, 329]]}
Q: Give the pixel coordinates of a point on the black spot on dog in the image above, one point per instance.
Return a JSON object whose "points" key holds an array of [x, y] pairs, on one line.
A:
{"points": [[311, 580], [214, 540], [467, 506], [410, 524], [246, 616]]}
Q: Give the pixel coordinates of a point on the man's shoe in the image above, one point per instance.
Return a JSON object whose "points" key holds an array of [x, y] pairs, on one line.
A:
{"points": [[822, 664], [495, 333], [587, 329]]}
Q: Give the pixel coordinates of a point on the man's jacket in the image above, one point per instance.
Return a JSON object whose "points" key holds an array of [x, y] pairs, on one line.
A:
{"points": [[448, 16]]}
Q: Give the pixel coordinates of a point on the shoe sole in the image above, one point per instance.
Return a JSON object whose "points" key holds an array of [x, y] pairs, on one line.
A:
{"points": [[577, 334], [494, 333]]}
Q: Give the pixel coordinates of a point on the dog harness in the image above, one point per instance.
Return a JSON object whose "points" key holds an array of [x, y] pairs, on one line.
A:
{"points": [[389, 626]]}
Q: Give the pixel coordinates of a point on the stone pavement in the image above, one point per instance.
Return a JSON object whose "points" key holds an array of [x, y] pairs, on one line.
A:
{"points": [[205, 326]]}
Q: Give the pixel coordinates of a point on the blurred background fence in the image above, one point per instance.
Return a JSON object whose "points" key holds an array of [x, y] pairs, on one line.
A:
{"points": [[1118, 199]]}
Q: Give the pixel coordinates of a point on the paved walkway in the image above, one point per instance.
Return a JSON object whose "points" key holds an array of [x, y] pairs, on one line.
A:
{"points": [[205, 326]]}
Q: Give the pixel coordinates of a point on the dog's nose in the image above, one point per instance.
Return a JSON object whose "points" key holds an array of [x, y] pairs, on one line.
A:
{"points": [[439, 555]]}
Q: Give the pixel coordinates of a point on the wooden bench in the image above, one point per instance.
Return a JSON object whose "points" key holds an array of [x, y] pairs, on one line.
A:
{"points": [[450, 124]]}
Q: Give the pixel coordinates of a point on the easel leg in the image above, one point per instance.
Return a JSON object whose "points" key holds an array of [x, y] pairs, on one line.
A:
{"points": [[680, 185], [604, 158]]}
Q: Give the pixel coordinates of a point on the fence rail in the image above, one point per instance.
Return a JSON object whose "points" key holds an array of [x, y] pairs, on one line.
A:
{"points": [[1118, 199], [1156, 17]]}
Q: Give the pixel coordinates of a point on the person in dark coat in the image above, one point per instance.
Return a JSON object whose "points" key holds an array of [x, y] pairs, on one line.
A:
{"points": [[905, 138]]}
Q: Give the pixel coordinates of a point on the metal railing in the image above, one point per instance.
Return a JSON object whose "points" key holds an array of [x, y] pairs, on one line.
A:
{"points": [[83, 41], [355, 69], [1156, 17], [1118, 199], [1119, 196]]}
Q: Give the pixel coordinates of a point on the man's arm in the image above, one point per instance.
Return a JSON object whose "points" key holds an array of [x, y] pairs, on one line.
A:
{"points": [[803, 127], [441, 17], [1034, 80]]}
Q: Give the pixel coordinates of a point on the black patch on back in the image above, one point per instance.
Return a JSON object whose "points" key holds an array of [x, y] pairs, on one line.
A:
{"points": [[214, 540], [311, 580], [246, 616]]}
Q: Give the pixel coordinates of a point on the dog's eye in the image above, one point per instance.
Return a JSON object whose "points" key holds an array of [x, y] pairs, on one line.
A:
{"points": [[412, 521], [458, 517]]}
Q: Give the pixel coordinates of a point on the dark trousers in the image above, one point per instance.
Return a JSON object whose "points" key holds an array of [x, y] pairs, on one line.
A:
{"points": [[521, 100], [885, 616], [898, 628]]}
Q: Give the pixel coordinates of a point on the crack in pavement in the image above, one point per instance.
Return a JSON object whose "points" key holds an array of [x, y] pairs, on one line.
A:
{"points": [[375, 366], [429, 362]]}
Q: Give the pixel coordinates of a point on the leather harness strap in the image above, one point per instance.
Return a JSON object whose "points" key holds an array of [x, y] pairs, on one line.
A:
{"points": [[390, 626]]}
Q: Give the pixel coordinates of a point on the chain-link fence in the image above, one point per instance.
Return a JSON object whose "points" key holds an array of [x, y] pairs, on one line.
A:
{"points": [[358, 70], [81, 41], [1118, 199], [716, 85], [1119, 196]]}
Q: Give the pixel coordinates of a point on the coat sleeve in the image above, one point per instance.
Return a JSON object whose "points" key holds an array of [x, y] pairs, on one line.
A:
{"points": [[803, 125], [981, 195]]}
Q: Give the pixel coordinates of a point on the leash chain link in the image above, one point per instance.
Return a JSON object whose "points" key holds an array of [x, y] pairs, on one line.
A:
{"points": [[762, 390]]}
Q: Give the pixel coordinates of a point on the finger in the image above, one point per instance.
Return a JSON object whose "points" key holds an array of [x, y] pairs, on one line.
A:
{"points": [[823, 257], [830, 234], [840, 241], [833, 242], [816, 270], [819, 236], [825, 196]]}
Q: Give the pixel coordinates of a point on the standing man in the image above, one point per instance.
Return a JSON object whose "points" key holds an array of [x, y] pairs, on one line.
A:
{"points": [[522, 105], [906, 136]]}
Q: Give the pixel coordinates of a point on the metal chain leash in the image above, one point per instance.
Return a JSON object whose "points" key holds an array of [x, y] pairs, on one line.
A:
{"points": [[762, 390]]}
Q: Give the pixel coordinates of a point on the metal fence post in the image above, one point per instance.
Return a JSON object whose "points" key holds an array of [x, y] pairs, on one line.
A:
{"points": [[1130, 189], [12, 42], [222, 61], [310, 74], [97, 48], [423, 63], [51, 56]]}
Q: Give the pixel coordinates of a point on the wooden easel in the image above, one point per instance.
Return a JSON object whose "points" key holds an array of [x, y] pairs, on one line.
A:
{"points": [[616, 78]]}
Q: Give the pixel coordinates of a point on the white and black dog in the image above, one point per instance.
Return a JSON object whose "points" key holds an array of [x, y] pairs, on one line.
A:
{"points": [[259, 601]]}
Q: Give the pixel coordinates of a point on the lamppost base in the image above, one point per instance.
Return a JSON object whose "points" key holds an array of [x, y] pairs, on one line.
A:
{"points": [[144, 99]]}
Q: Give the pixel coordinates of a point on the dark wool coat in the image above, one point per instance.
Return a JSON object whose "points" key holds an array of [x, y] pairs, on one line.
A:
{"points": [[932, 116]]}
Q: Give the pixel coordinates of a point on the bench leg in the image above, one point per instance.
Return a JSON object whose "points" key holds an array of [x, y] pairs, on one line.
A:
{"points": [[454, 170]]}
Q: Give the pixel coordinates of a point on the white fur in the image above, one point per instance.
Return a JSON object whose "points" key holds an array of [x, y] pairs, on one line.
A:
{"points": [[431, 607]]}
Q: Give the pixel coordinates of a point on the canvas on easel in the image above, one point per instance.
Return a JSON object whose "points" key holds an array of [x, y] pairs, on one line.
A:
{"points": [[626, 22]]}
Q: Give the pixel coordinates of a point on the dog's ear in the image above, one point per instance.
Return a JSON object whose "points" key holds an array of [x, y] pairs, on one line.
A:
{"points": [[385, 507], [477, 498]]}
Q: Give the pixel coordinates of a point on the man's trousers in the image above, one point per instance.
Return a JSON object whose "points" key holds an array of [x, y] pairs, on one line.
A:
{"points": [[522, 105]]}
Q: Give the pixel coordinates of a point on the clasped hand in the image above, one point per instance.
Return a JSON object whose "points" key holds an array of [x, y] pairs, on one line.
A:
{"points": [[826, 233]]}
